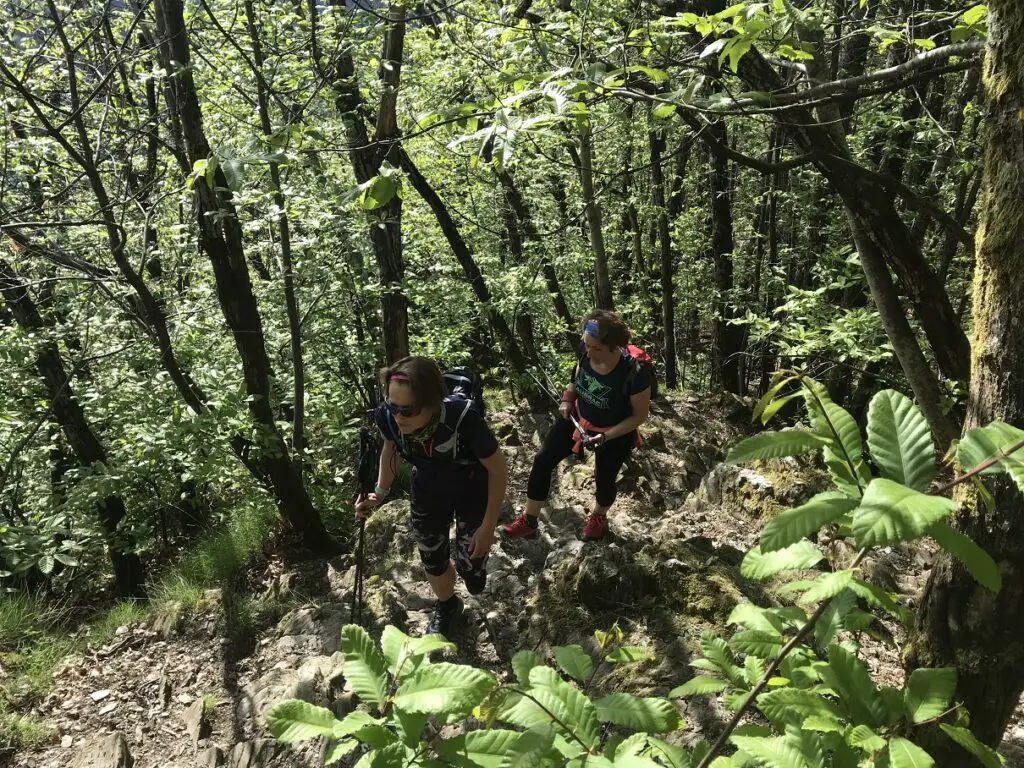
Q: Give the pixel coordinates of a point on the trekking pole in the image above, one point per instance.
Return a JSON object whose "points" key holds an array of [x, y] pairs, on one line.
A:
{"points": [[549, 393], [366, 480]]}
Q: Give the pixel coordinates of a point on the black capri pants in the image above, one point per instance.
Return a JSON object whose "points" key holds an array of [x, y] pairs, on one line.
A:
{"points": [[608, 460], [442, 494]]}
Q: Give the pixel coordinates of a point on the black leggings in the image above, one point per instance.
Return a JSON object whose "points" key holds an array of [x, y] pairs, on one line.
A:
{"points": [[608, 460]]}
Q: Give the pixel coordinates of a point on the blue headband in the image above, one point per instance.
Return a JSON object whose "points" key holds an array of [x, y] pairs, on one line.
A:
{"points": [[591, 328]]}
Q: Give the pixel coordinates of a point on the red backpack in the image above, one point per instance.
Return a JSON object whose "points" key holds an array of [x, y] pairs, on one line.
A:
{"points": [[641, 361]]}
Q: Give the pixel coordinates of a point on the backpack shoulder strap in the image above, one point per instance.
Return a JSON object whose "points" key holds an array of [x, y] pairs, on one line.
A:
{"points": [[453, 411]]}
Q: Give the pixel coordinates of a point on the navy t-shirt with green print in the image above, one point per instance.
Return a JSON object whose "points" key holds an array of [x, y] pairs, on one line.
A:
{"points": [[601, 397]]}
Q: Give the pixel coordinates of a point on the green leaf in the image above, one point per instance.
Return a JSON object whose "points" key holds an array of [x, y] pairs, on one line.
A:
{"points": [[848, 676], [827, 586], [366, 669], [792, 706], [379, 192], [702, 685], [997, 439], [833, 619], [843, 455], [530, 749], [354, 722], [720, 659], [578, 712], [928, 692], [522, 663], [764, 645], [639, 714], [777, 405], [759, 565], [794, 524], [962, 736], [863, 738], [906, 754], [978, 562], [900, 440], [672, 756], [975, 14], [754, 617], [628, 654], [779, 381], [339, 750], [45, 564], [392, 756], [574, 662], [410, 726], [776, 752], [294, 720], [662, 111], [444, 689], [890, 513], [879, 598], [478, 749], [774, 445]]}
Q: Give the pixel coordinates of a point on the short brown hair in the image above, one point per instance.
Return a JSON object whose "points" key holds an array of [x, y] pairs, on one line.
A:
{"points": [[612, 330], [422, 376]]}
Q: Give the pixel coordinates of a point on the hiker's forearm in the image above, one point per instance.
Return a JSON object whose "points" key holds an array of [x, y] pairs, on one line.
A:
{"points": [[497, 484], [623, 427], [389, 462]]}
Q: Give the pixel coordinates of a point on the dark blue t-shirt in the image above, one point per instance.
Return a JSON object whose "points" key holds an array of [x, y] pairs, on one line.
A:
{"points": [[601, 397], [474, 441]]}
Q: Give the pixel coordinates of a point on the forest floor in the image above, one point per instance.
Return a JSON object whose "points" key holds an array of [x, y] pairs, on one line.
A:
{"points": [[189, 685]]}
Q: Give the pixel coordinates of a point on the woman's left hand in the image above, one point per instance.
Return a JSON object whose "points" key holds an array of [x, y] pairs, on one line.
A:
{"points": [[481, 542]]}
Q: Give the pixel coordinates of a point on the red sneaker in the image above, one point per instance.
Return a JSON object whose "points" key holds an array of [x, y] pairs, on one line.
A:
{"points": [[594, 527], [522, 527]]}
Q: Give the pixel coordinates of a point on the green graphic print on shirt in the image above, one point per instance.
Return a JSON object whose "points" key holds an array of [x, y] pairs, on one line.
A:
{"points": [[592, 391]]}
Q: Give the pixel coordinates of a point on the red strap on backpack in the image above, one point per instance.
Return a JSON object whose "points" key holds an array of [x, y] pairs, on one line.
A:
{"points": [[639, 355]]}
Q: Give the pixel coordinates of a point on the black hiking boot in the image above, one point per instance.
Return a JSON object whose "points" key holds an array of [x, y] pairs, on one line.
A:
{"points": [[445, 614]]}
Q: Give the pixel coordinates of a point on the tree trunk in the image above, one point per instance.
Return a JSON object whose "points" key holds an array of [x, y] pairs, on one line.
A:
{"points": [[726, 337], [221, 239], [129, 573], [871, 205], [386, 228], [602, 282], [523, 216], [656, 141], [961, 624], [465, 257], [284, 230]]}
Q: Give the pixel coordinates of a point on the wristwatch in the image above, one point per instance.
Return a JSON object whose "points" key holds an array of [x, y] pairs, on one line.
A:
{"points": [[381, 493]]}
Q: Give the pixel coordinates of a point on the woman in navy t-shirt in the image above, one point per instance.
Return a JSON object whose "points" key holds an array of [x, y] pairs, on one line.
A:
{"points": [[459, 475], [609, 397]]}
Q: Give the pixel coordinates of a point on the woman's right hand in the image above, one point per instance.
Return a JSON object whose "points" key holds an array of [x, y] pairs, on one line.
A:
{"points": [[366, 504], [564, 409]]}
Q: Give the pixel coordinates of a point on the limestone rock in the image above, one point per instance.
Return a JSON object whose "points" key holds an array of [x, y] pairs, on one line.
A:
{"points": [[196, 723], [316, 681], [107, 751], [259, 753], [213, 757]]}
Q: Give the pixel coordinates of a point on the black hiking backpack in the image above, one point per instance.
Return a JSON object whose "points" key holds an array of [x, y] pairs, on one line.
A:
{"points": [[465, 393]]}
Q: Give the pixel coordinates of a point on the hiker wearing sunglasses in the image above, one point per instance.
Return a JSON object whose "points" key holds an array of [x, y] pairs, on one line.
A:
{"points": [[608, 399], [458, 474]]}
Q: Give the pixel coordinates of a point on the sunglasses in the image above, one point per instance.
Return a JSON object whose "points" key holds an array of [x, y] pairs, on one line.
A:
{"points": [[401, 410]]}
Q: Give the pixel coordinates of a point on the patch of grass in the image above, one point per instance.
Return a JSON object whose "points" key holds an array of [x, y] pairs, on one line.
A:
{"points": [[24, 732], [217, 558], [25, 618], [126, 613]]}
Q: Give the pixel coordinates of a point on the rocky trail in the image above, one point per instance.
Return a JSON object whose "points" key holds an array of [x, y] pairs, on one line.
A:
{"points": [[191, 692]]}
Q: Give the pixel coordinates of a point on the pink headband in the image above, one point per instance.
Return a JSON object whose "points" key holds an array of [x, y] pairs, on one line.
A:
{"points": [[398, 376]]}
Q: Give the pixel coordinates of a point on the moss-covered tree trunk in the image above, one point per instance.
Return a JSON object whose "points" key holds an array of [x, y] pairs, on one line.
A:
{"points": [[960, 623]]}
